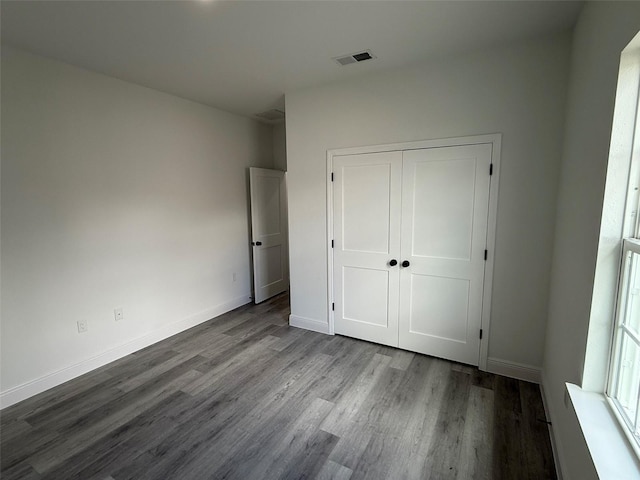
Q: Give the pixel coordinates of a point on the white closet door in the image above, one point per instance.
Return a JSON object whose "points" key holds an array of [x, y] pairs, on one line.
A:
{"points": [[445, 201], [366, 191]]}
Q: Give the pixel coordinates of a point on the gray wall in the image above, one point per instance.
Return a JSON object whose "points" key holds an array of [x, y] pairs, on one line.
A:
{"points": [[602, 32], [280, 147], [114, 195], [518, 91]]}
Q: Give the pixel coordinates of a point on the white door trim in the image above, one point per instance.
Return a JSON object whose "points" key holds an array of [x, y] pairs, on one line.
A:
{"points": [[496, 141]]}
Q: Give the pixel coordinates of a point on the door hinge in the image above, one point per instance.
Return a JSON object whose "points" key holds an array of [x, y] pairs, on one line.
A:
{"points": [[480, 334], [331, 243], [491, 169], [332, 176], [333, 306], [486, 253]]}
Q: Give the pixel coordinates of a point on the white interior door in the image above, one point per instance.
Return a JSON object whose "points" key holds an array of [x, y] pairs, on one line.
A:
{"points": [[269, 232], [366, 191], [445, 202]]}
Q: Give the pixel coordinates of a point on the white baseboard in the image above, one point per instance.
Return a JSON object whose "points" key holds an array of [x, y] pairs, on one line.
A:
{"points": [[309, 324], [39, 385], [519, 371], [555, 444]]}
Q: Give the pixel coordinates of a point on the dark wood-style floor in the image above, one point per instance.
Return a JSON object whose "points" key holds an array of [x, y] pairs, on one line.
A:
{"points": [[245, 396]]}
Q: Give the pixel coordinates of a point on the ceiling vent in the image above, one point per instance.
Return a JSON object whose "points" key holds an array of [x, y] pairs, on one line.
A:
{"points": [[272, 115], [355, 57]]}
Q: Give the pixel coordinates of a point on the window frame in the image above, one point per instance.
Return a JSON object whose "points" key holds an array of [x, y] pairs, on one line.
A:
{"points": [[629, 245], [631, 427]]}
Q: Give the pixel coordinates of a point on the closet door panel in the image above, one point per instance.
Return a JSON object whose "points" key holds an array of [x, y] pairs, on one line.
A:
{"points": [[443, 298], [366, 192], [445, 200], [442, 203]]}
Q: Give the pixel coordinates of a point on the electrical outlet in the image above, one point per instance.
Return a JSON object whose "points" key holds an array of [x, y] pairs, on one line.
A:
{"points": [[118, 314], [82, 326]]}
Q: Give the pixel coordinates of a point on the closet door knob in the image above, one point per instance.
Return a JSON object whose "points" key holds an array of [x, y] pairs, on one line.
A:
{"points": [[393, 262], [406, 263]]}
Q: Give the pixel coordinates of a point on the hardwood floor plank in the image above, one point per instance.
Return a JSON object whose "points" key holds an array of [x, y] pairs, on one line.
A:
{"points": [[351, 446], [139, 433], [361, 435], [348, 363], [24, 447], [60, 394], [243, 391], [144, 361], [276, 318], [308, 461], [55, 412], [371, 412], [166, 381], [536, 442], [347, 408], [338, 343], [482, 379], [214, 326], [277, 460], [133, 469], [218, 353], [378, 457], [444, 453], [507, 426], [419, 433], [477, 438], [20, 471], [206, 344], [59, 417], [245, 396], [98, 423], [95, 470], [251, 325], [258, 352], [149, 375], [401, 359], [334, 471], [248, 382], [509, 390], [62, 413], [398, 393], [246, 427], [13, 429], [286, 337]]}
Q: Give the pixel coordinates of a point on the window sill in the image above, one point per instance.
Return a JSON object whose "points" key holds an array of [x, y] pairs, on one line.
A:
{"points": [[608, 445]]}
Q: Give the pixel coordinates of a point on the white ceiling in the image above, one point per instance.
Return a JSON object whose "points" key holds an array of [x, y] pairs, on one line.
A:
{"points": [[243, 56]]}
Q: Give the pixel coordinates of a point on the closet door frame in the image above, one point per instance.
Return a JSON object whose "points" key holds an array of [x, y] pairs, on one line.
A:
{"points": [[495, 140]]}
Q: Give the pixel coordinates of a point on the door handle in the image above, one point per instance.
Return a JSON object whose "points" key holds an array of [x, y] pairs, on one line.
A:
{"points": [[257, 244], [393, 262], [406, 263]]}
